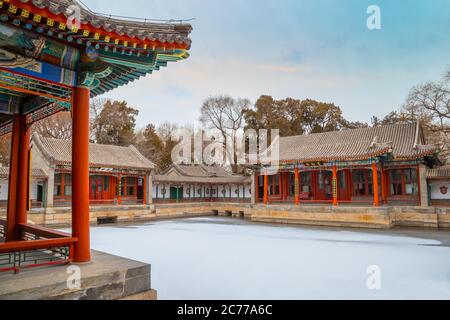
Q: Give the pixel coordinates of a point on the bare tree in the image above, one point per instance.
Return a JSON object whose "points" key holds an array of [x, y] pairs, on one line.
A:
{"points": [[5, 149], [226, 115], [96, 107], [164, 143], [431, 103], [58, 126], [166, 131]]}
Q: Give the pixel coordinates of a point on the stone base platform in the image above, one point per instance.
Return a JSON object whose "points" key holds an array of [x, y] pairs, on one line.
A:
{"points": [[107, 277], [354, 217]]}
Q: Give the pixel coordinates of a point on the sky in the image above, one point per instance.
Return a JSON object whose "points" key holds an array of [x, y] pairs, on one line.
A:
{"points": [[317, 49]]}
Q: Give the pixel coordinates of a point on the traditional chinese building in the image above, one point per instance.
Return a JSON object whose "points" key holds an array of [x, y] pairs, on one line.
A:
{"points": [[200, 183], [372, 166], [50, 62], [37, 185], [117, 175]]}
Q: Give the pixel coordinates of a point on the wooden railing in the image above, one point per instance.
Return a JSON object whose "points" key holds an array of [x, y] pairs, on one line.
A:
{"points": [[40, 247]]}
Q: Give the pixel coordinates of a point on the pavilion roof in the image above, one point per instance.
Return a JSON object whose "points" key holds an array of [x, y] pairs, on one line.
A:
{"points": [[197, 171], [45, 56], [403, 141], [37, 174], [439, 173], [202, 180], [200, 174], [160, 32], [59, 152]]}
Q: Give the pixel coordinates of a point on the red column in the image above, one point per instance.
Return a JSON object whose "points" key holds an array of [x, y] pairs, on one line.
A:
{"points": [[80, 175], [281, 182], [297, 186], [145, 190], [419, 185], [256, 195], [119, 189], [376, 197], [383, 186], [288, 187], [19, 126], [335, 187], [266, 189], [23, 177]]}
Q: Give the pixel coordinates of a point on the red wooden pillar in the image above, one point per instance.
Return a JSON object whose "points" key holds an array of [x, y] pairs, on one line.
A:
{"points": [[297, 186], [288, 187], [281, 183], [266, 189], [119, 189], [256, 195], [419, 185], [376, 197], [80, 175], [23, 181], [335, 187], [145, 190], [18, 178], [383, 185]]}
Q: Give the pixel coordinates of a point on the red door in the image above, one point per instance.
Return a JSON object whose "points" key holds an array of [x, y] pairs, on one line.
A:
{"points": [[96, 190], [344, 185], [324, 185]]}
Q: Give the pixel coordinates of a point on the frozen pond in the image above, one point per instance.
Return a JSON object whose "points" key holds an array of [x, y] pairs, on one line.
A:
{"points": [[220, 258]]}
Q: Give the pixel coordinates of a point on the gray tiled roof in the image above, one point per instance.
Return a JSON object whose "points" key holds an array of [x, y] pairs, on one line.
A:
{"points": [[60, 152], [404, 141], [200, 174], [439, 173], [200, 171], [36, 173], [202, 180], [143, 30]]}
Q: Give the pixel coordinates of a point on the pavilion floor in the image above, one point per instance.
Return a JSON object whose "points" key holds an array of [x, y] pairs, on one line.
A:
{"points": [[106, 277]]}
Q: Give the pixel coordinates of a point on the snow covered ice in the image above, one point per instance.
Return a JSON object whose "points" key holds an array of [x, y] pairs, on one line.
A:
{"points": [[221, 258]]}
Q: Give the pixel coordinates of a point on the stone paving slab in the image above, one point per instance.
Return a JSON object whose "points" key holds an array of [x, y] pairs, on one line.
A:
{"points": [[107, 277]]}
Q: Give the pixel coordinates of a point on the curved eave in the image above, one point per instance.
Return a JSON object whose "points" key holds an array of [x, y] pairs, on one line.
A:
{"points": [[122, 75], [362, 157], [420, 155], [98, 29], [368, 156], [101, 165]]}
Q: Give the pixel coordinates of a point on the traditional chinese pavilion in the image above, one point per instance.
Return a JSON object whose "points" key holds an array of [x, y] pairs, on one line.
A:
{"points": [[48, 64], [369, 166], [200, 183], [118, 175]]}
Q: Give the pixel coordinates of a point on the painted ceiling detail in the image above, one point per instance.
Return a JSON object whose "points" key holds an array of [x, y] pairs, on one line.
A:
{"points": [[41, 57]]}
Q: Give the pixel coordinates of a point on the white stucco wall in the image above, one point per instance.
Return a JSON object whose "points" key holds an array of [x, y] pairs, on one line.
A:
{"points": [[158, 191], [205, 191], [4, 190], [436, 193]]}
